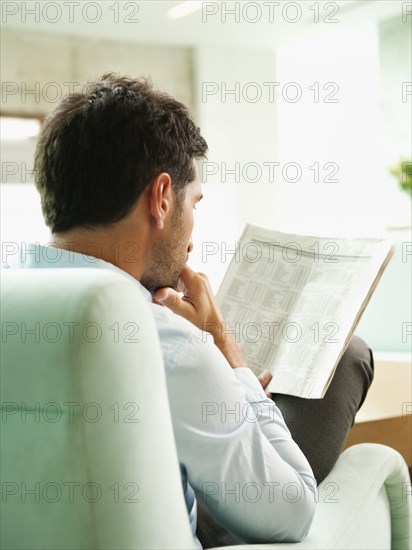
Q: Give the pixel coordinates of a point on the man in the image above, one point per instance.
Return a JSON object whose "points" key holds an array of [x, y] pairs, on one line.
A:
{"points": [[116, 171]]}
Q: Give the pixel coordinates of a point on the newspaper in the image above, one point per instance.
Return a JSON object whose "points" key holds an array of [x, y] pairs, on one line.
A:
{"points": [[293, 302]]}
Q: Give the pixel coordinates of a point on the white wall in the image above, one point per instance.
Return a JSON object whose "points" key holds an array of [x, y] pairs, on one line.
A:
{"points": [[364, 132], [240, 129], [396, 62], [44, 63]]}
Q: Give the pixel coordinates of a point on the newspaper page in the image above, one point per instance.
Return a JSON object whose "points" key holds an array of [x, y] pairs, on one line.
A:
{"points": [[293, 302]]}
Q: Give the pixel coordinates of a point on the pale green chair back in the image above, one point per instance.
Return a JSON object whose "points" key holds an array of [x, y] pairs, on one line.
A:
{"points": [[88, 457]]}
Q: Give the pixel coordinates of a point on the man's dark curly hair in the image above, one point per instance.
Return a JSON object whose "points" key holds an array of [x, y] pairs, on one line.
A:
{"points": [[99, 149]]}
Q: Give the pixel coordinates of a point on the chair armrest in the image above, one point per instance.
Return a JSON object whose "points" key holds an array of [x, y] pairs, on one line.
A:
{"points": [[366, 498]]}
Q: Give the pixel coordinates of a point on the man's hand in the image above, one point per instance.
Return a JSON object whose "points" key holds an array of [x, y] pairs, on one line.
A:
{"points": [[199, 306]]}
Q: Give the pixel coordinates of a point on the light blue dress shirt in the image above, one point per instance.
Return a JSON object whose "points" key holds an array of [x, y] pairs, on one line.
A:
{"points": [[234, 447]]}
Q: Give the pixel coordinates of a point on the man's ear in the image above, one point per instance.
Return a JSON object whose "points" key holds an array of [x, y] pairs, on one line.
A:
{"points": [[160, 199]]}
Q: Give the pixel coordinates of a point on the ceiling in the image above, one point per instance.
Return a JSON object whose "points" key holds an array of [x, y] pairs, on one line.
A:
{"points": [[147, 21]]}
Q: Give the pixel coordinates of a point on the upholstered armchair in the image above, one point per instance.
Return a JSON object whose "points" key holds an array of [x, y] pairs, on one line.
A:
{"points": [[88, 457]]}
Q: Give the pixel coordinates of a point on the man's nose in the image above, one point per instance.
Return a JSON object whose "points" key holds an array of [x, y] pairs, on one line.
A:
{"points": [[190, 246]]}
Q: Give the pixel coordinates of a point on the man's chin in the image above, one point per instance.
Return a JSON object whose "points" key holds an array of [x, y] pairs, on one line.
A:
{"points": [[168, 284], [155, 283]]}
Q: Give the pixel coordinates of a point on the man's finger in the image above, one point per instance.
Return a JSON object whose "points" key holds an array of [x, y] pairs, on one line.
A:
{"points": [[172, 299], [264, 378], [167, 297], [187, 276]]}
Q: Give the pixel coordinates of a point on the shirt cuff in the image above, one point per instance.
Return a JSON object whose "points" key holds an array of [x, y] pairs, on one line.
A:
{"points": [[253, 389]]}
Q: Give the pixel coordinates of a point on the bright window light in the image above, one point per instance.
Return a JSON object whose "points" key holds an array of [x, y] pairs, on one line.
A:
{"points": [[185, 8], [336, 127], [18, 129], [21, 219]]}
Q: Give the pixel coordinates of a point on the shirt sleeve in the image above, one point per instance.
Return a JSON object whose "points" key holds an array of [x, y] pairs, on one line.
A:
{"points": [[237, 450]]}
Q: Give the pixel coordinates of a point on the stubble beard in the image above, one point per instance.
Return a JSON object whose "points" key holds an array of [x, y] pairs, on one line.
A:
{"points": [[167, 259]]}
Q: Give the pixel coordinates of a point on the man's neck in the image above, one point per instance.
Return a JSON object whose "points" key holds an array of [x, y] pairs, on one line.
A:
{"points": [[108, 245]]}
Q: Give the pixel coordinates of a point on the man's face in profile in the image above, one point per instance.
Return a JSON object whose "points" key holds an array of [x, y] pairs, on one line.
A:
{"points": [[169, 256]]}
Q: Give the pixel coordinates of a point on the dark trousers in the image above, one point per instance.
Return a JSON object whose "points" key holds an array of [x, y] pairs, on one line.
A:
{"points": [[319, 426]]}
